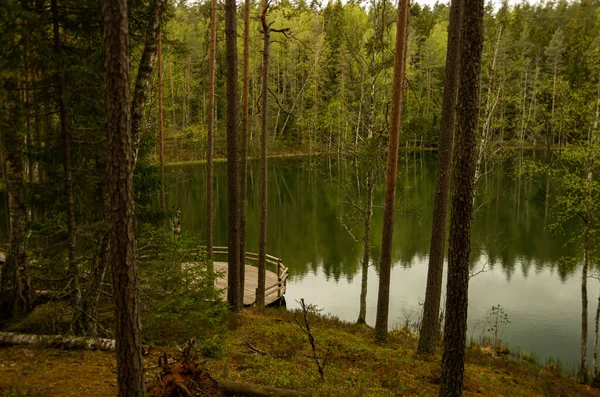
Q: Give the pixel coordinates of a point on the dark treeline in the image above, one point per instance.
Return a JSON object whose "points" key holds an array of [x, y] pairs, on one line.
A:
{"points": [[330, 77]]}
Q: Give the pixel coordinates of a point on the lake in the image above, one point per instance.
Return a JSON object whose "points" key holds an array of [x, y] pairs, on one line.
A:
{"points": [[310, 224]]}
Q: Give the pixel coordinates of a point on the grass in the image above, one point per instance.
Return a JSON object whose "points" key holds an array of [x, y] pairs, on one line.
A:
{"points": [[356, 366]]}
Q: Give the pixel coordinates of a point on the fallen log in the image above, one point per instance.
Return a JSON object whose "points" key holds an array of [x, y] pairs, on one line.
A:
{"points": [[57, 341], [230, 388]]}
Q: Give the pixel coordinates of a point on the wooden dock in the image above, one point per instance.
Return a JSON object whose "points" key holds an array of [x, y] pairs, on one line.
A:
{"points": [[276, 277]]}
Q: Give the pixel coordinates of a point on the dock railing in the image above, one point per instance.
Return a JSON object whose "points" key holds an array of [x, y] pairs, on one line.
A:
{"points": [[282, 272]]}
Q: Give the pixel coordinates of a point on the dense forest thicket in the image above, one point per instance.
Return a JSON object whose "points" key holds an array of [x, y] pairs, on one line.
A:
{"points": [[54, 168], [330, 75]]}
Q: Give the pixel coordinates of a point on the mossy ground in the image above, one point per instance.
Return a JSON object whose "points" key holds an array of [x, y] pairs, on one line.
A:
{"points": [[356, 365]]}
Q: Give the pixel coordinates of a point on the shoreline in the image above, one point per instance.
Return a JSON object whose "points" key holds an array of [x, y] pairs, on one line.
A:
{"points": [[302, 154]]}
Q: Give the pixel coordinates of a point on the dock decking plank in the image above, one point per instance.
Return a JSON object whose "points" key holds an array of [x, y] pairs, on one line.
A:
{"points": [[251, 282]]}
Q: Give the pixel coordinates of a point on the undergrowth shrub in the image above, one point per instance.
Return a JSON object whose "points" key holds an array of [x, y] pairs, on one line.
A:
{"points": [[177, 293]]}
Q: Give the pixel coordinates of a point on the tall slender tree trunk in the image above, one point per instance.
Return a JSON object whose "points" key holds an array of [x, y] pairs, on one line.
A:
{"points": [[59, 79], [362, 313], [596, 324], [211, 130], [15, 285], [583, 367], [594, 136], [121, 161], [383, 298], [550, 136], [146, 66], [172, 81], [262, 238], [488, 114], [233, 211], [244, 149], [161, 131], [430, 328], [455, 326]]}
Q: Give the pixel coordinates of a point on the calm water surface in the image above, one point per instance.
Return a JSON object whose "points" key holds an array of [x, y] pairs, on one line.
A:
{"points": [[307, 214]]}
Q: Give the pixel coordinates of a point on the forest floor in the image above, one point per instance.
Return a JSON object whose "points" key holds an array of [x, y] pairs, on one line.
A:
{"points": [[268, 347]]}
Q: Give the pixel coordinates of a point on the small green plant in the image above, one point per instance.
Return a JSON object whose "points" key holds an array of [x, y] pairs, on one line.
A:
{"points": [[499, 320], [213, 347], [492, 326], [320, 362]]}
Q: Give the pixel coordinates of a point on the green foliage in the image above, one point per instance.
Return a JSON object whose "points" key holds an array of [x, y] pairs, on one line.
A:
{"points": [[212, 347], [332, 74], [177, 291], [574, 197]]}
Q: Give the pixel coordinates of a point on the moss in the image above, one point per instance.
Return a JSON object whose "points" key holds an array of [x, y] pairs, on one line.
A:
{"points": [[356, 365]]}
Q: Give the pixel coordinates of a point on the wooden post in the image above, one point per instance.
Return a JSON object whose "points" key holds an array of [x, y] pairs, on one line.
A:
{"points": [[279, 272]]}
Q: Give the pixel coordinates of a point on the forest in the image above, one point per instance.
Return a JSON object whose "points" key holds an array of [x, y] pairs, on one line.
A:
{"points": [[104, 105]]}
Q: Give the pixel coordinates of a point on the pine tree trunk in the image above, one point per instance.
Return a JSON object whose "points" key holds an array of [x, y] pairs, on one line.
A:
{"points": [[211, 130], [584, 305], [583, 367], [121, 162], [262, 238], [161, 132], [383, 298], [430, 327], [233, 270], [68, 175], [455, 326], [244, 149], [15, 285], [362, 313], [595, 359]]}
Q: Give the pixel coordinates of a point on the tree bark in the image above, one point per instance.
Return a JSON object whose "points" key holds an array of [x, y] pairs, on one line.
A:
{"points": [[262, 237], [211, 130], [596, 323], [59, 79], [430, 327], [15, 285], [57, 341], [583, 367], [145, 69], [233, 212], [362, 312], [383, 299], [161, 132], [121, 161], [455, 326], [244, 149]]}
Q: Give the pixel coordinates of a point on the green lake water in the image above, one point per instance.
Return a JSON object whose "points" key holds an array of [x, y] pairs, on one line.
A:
{"points": [[309, 227], [310, 219]]}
